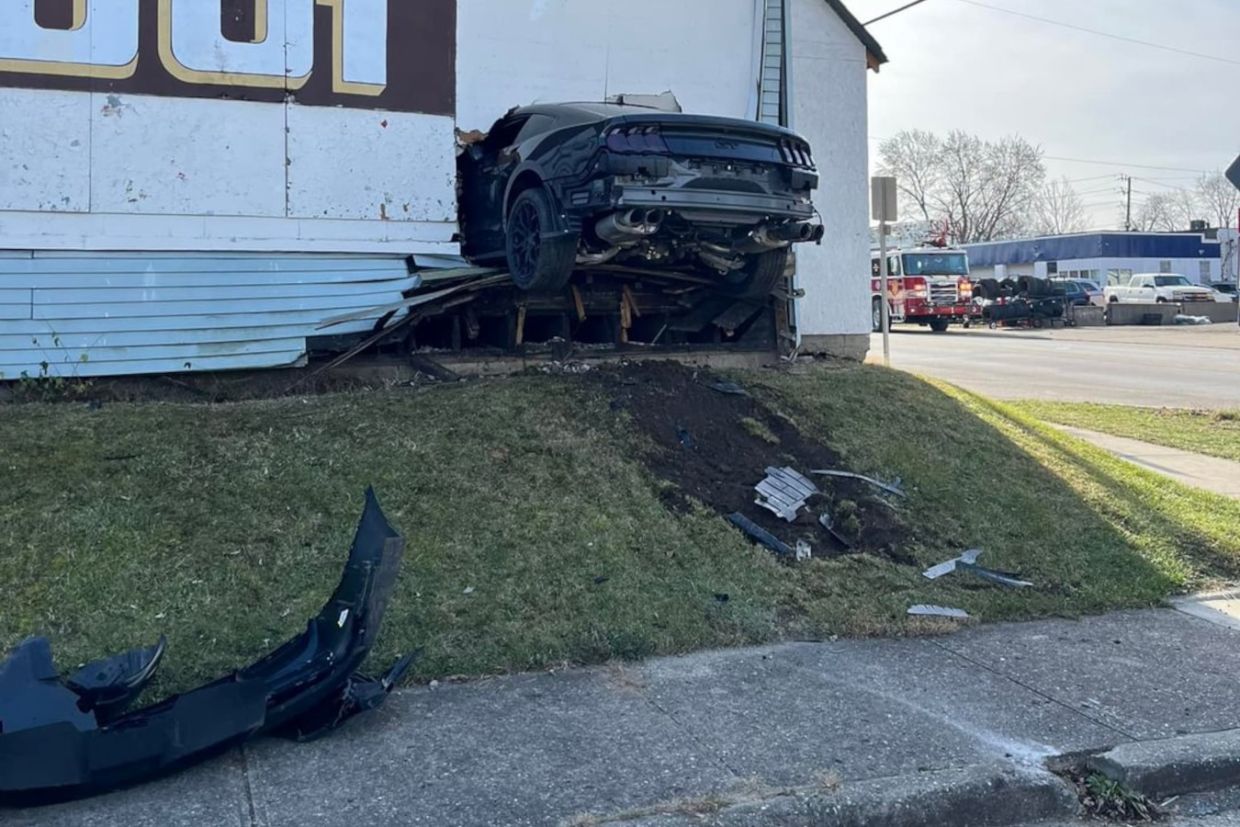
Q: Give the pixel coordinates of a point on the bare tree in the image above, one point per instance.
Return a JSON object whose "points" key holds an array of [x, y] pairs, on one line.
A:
{"points": [[1060, 209], [1219, 201], [1154, 214], [912, 157], [1185, 209], [980, 190]]}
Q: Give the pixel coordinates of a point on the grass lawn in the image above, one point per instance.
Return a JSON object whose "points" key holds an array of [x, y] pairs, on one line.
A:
{"points": [[1213, 433], [536, 536]]}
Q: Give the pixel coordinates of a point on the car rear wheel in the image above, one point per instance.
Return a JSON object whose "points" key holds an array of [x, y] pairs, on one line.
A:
{"points": [[760, 276], [538, 260]]}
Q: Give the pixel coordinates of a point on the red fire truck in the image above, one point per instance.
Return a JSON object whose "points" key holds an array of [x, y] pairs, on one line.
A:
{"points": [[928, 285]]}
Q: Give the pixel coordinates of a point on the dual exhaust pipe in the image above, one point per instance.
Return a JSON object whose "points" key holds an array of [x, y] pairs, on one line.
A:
{"points": [[772, 238], [629, 226]]}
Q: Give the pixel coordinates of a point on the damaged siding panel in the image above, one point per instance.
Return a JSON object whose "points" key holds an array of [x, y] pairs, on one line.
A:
{"points": [[306, 320], [101, 315], [48, 367], [86, 270]]}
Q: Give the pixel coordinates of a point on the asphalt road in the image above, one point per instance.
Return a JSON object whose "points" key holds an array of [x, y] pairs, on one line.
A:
{"points": [[1185, 367]]}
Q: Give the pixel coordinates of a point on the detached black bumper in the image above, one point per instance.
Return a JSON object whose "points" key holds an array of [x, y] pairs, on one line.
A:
{"points": [[66, 739]]}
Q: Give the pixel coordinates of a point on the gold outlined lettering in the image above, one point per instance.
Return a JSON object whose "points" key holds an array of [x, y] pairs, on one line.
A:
{"points": [[263, 63], [102, 42]]}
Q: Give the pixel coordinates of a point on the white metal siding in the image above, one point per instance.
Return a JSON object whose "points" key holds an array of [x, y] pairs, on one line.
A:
{"points": [[109, 315]]}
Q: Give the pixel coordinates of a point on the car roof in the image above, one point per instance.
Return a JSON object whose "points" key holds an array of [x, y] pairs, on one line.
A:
{"points": [[584, 112]]}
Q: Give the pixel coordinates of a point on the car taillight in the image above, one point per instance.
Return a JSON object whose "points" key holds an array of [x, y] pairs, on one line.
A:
{"points": [[795, 153], [916, 288], [634, 139]]}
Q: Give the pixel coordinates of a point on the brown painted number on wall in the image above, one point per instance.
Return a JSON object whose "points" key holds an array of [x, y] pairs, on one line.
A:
{"points": [[398, 55]]}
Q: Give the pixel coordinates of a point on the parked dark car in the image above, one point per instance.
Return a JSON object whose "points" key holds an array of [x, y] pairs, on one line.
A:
{"points": [[1227, 291], [557, 187], [1082, 293]]}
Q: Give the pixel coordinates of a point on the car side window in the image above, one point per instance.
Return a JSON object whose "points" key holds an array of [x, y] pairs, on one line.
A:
{"points": [[536, 125], [505, 133]]}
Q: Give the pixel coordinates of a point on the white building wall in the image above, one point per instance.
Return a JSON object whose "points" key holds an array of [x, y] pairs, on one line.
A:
{"points": [[829, 79], [1192, 268], [163, 174], [518, 52], [1099, 269]]}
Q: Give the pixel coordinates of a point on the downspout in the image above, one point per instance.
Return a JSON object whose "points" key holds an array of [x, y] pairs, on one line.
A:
{"points": [[789, 111]]}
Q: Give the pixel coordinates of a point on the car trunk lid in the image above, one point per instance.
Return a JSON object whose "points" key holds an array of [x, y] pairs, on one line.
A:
{"points": [[695, 136]]}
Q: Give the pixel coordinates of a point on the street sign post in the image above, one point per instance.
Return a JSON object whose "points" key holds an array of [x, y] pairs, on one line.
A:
{"points": [[883, 199], [1233, 173]]}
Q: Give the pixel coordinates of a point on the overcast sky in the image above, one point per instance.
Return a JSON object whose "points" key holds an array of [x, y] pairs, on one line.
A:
{"points": [[955, 65]]}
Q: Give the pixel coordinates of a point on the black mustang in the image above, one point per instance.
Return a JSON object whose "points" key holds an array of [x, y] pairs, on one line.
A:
{"points": [[556, 187]]}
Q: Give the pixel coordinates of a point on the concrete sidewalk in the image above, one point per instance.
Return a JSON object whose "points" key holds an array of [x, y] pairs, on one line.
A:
{"points": [[1210, 473], [546, 749]]}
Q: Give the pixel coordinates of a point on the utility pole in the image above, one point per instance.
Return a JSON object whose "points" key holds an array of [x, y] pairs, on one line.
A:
{"points": [[1128, 212]]}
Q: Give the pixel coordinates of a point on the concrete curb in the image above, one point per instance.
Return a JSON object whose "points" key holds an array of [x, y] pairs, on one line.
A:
{"points": [[1175, 766], [980, 796]]}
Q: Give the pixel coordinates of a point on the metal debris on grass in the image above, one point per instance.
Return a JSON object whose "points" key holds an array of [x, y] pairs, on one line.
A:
{"points": [[968, 562], [942, 569], [1002, 578], [804, 551], [893, 488], [938, 611], [728, 388], [784, 493], [826, 522], [761, 536]]}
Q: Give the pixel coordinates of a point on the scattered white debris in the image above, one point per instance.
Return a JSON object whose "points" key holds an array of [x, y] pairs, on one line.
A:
{"points": [[784, 492], [895, 488], [969, 557], [938, 611]]}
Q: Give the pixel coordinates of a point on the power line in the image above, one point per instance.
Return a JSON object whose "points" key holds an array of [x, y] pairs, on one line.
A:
{"points": [[1159, 184], [1121, 164], [893, 12], [1120, 37], [1118, 163]]}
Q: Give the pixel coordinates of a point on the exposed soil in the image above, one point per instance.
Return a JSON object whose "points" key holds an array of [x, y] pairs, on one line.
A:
{"points": [[714, 447]]}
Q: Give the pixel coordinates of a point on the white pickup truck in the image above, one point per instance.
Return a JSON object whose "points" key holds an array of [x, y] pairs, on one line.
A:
{"points": [[1158, 288]]}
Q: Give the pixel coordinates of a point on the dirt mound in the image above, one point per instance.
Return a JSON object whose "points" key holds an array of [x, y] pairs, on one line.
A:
{"points": [[713, 441]]}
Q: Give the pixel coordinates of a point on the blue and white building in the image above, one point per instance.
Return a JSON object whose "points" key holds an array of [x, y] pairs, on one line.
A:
{"points": [[1101, 257]]}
